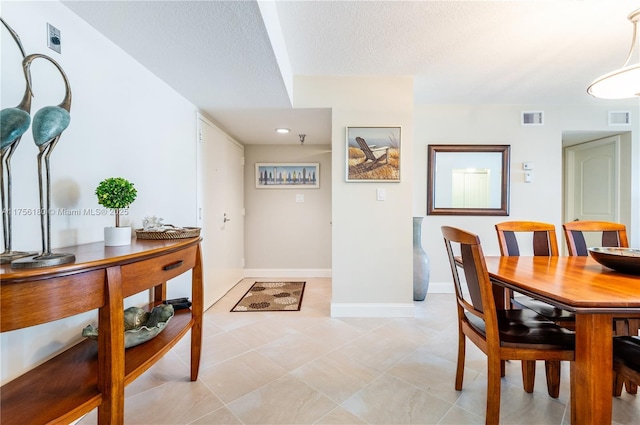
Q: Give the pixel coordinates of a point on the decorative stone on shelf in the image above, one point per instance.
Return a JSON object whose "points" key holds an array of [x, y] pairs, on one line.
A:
{"points": [[139, 326], [152, 224]]}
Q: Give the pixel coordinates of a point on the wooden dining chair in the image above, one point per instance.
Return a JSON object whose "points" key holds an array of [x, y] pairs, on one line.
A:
{"points": [[544, 243], [626, 362], [510, 334], [613, 235]]}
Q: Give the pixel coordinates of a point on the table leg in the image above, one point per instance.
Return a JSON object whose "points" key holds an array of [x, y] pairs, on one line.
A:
{"points": [[591, 372], [501, 297], [111, 363], [197, 310], [160, 293]]}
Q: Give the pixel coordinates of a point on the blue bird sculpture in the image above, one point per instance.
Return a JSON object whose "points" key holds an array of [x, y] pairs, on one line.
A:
{"points": [[47, 127], [14, 122]]}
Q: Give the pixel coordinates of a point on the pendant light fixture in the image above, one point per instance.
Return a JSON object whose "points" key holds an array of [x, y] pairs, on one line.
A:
{"points": [[623, 82]]}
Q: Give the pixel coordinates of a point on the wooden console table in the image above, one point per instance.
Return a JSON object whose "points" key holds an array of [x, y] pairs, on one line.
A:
{"points": [[93, 374]]}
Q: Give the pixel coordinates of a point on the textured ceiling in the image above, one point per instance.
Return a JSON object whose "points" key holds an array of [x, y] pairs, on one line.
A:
{"points": [[223, 55]]}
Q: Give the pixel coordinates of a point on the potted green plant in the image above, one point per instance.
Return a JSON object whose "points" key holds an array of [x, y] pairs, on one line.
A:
{"points": [[116, 193]]}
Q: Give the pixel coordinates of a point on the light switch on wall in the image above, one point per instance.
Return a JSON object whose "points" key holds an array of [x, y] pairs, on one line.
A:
{"points": [[299, 197], [528, 176], [380, 194], [54, 39]]}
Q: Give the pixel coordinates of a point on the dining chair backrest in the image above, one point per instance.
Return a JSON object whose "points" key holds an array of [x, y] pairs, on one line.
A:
{"points": [[545, 242], [478, 285], [613, 235]]}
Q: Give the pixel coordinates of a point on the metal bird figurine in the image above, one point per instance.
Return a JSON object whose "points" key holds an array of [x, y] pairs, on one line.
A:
{"points": [[47, 127], [14, 122]]}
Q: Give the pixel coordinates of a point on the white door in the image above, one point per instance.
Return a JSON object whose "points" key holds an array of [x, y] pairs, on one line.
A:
{"points": [[220, 210], [592, 182]]}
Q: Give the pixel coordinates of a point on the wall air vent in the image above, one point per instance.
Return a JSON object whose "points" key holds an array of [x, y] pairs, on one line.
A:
{"points": [[532, 118], [619, 117]]}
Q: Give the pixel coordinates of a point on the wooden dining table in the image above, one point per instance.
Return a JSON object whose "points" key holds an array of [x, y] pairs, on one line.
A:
{"points": [[596, 294]]}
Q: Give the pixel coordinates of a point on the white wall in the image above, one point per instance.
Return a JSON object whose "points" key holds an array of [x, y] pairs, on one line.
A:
{"points": [[541, 200], [372, 240], [124, 122], [282, 236]]}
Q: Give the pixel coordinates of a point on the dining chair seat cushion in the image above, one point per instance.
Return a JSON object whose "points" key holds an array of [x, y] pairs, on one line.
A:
{"points": [[626, 349], [526, 328], [547, 310]]}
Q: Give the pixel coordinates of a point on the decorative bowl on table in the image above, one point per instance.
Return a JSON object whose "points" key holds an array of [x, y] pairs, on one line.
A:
{"points": [[139, 326], [625, 260], [168, 232]]}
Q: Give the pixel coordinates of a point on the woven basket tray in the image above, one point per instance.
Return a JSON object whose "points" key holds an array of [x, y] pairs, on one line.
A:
{"points": [[177, 233]]}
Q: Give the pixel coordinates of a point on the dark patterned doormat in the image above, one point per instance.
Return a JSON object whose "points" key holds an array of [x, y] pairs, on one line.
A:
{"points": [[272, 296]]}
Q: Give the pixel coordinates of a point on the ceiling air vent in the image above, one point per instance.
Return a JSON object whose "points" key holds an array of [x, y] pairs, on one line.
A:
{"points": [[532, 118], [619, 117]]}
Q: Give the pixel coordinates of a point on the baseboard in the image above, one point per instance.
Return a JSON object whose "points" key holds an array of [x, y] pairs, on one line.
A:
{"points": [[372, 310], [271, 273]]}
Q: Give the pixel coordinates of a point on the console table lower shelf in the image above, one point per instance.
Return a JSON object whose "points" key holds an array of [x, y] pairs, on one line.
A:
{"points": [[67, 386]]}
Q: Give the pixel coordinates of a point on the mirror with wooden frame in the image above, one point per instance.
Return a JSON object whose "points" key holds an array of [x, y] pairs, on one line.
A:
{"points": [[468, 180]]}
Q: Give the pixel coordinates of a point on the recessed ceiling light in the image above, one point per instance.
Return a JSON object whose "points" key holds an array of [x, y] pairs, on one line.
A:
{"points": [[282, 130]]}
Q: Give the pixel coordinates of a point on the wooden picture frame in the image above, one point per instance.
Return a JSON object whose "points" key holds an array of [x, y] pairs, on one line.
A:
{"points": [[274, 175], [479, 171], [373, 154]]}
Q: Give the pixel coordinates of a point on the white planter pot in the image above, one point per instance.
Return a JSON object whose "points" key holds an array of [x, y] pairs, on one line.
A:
{"points": [[117, 236]]}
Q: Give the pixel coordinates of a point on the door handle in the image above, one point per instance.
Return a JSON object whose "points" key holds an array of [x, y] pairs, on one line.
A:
{"points": [[225, 219]]}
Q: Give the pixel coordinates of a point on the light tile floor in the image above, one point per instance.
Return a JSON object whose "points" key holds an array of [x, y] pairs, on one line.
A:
{"points": [[308, 368]]}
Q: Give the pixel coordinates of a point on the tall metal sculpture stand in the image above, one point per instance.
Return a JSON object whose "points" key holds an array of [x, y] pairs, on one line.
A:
{"points": [[8, 255], [14, 122], [47, 127]]}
